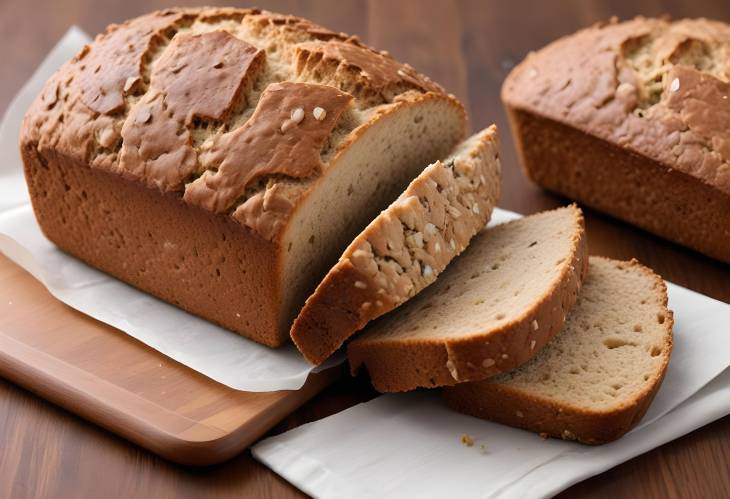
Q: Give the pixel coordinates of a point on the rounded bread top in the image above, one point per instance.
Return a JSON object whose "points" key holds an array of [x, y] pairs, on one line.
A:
{"points": [[656, 87]]}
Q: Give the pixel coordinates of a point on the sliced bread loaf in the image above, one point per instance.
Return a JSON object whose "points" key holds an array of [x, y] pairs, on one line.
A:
{"points": [[492, 310], [596, 379], [405, 248], [221, 159]]}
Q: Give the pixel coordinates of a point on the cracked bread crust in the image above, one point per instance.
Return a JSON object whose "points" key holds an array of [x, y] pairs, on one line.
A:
{"points": [[397, 359], [521, 404], [658, 93], [193, 105], [405, 248], [153, 99]]}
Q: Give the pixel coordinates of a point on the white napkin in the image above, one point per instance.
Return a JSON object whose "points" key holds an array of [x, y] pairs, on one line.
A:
{"points": [[408, 445], [219, 354]]}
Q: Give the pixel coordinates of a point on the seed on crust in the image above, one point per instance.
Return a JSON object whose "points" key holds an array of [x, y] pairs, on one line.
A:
{"points": [[427, 271], [319, 113], [297, 115]]}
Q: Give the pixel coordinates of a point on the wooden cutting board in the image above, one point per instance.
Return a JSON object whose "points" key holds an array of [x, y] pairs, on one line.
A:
{"points": [[113, 380]]}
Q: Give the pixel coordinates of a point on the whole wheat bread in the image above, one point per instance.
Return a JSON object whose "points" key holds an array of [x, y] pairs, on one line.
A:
{"points": [[491, 310], [633, 119], [405, 248], [222, 159], [595, 380]]}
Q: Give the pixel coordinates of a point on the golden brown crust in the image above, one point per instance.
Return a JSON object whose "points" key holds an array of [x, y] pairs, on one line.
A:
{"points": [[118, 59], [505, 405], [197, 77], [270, 143], [413, 363], [109, 109], [633, 188], [647, 101], [378, 72], [654, 87], [512, 406], [335, 313]]}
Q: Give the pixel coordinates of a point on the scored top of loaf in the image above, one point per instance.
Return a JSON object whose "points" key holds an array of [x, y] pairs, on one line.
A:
{"points": [[656, 87], [239, 110]]}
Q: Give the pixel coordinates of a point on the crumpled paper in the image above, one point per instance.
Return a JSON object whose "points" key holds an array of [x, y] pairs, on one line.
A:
{"points": [[408, 445], [219, 354]]}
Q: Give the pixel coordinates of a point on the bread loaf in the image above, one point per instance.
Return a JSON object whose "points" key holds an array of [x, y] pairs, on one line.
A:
{"points": [[405, 248], [222, 159], [595, 380], [491, 310], [633, 119]]}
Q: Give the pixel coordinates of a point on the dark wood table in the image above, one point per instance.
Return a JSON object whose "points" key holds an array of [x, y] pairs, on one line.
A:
{"points": [[469, 47]]}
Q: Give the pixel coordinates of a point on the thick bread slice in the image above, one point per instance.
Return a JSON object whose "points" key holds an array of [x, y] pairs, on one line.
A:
{"points": [[596, 379], [405, 248], [222, 159], [492, 310]]}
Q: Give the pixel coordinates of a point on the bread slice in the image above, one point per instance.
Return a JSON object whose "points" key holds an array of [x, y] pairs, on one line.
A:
{"points": [[596, 379], [405, 248], [492, 310]]}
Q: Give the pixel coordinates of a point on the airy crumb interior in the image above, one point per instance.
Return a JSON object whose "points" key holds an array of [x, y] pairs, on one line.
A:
{"points": [[380, 165], [612, 344], [502, 273]]}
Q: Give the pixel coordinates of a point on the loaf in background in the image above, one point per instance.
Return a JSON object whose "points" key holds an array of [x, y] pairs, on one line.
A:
{"points": [[633, 119]]}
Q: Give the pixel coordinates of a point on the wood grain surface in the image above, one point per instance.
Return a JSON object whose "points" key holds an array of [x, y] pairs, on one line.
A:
{"points": [[469, 47], [109, 378]]}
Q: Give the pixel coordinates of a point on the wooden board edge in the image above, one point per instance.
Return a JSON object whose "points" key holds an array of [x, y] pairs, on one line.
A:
{"points": [[194, 444]]}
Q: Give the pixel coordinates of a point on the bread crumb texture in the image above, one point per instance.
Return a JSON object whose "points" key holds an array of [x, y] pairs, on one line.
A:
{"points": [[405, 248], [611, 347], [478, 318], [595, 380], [467, 440]]}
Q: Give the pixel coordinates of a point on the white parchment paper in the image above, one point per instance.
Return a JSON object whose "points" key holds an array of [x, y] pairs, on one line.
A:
{"points": [[408, 445], [219, 354]]}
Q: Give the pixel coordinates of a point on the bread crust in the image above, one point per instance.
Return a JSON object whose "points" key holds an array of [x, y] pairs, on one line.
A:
{"points": [[84, 118], [414, 363], [349, 297], [650, 150], [190, 257], [625, 185], [508, 405]]}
